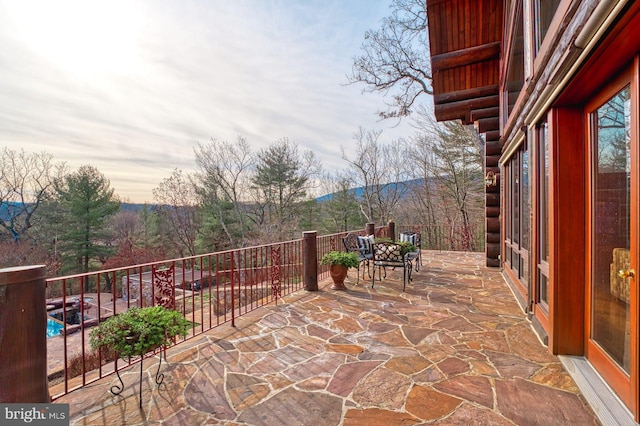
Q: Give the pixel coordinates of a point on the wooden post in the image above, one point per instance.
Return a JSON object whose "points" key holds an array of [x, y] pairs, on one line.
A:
{"points": [[23, 335], [391, 229], [310, 260], [370, 228]]}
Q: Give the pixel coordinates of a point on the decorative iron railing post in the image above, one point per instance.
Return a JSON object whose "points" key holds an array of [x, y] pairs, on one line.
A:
{"points": [[310, 260], [23, 335], [276, 272]]}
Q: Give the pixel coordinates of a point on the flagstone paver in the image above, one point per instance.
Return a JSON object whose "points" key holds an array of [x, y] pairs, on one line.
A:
{"points": [[454, 349]]}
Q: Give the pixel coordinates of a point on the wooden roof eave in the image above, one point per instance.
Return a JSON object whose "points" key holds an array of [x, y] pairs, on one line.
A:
{"points": [[463, 103], [467, 56], [466, 61]]}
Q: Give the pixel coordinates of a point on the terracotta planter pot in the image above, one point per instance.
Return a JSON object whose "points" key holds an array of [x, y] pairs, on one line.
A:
{"points": [[338, 274]]}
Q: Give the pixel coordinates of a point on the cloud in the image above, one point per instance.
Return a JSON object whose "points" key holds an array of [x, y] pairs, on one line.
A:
{"points": [[131, 87]]}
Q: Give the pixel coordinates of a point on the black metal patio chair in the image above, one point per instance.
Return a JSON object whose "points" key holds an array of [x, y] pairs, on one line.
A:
{"points": [[414, 238], [362, 246], [388, 254]]}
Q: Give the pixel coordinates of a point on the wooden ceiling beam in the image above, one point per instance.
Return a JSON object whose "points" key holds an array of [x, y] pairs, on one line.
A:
{"points": [[467, 56], [461, 109], [492, 148], [477, 114], [493, 136], [434, 2], [467, 94], [488, 124]]}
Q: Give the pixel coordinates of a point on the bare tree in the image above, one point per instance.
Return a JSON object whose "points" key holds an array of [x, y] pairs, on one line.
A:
{"points": [[422, 208], [125, 229], [26, 181], [381, 171], [178, 200], [451, 157], [129, 236], [224, 173], [395, 58], [339, 207], [27, 253]]}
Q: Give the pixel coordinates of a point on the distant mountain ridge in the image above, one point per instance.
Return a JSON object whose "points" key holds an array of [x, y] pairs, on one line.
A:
{"points": [[136, 207], [389, 187]]}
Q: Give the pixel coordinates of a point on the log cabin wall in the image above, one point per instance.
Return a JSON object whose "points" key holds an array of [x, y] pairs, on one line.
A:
{"points": [[465, 42], [541, 99], [539, 130]]}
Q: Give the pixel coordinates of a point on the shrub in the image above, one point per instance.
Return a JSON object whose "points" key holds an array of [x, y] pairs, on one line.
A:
{"points": [[92, 360], [348, 259], [406, 247], [138, 331]]}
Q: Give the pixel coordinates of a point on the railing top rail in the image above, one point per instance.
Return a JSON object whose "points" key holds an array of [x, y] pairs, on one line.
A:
{"points": [[335, 234], [179, 259]]}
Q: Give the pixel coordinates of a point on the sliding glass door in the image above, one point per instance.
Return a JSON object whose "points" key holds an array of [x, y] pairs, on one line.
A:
{"points": [[612, 239]]}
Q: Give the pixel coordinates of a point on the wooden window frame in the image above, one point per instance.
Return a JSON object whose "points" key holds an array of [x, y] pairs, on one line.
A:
{"points": [[516, 9], [613, 374], [540, 151], [515, 252]]}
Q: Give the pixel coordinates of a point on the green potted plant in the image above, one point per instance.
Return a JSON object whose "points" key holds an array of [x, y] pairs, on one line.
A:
{"points": [[339, 263], [406, 247], [136, 332]]}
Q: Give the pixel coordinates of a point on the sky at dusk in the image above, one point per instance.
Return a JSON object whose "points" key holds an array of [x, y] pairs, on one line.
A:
{"points": [[130, 87]]}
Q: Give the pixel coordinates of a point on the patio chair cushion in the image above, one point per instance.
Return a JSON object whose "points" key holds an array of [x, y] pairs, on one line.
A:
{"points": [[365, 245], [388, 252], [411, 238], [372, 240]]}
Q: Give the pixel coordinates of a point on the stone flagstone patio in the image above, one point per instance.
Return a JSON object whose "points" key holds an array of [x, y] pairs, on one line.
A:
{"points": [[454, 349]]}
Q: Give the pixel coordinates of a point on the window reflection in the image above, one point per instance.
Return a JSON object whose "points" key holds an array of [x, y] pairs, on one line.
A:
{"points": [[544, 10], [543, 213], [611, 227], [515, 74]]}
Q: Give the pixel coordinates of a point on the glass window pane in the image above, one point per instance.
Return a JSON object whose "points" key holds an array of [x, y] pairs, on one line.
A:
{"points": [[507, 201], [515, 202], [543, 155], [525, 198], [543, 212], [515, 71], [544, 11], [543, 297], [611, 227]]}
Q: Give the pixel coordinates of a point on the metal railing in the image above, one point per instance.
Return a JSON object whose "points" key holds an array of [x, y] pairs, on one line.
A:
{"points": [[325, 244], [209, 290], [448, 238]]}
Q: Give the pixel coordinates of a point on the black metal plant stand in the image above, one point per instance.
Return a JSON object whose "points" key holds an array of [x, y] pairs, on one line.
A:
{"points": [[117, 390]]}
